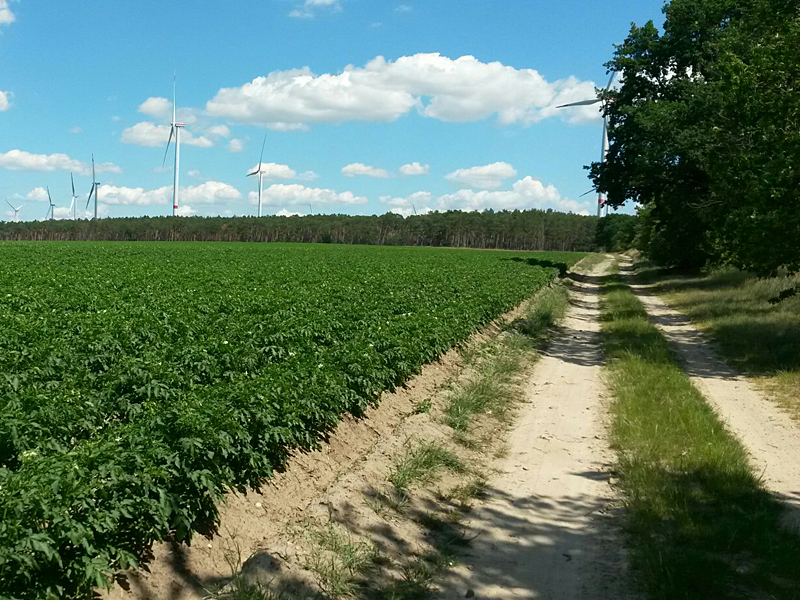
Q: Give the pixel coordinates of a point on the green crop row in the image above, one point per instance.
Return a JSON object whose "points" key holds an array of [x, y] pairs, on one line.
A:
{"points": [[140, 382]]}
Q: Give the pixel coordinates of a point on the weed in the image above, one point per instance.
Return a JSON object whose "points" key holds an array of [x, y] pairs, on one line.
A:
{"points": [[421, 464]]}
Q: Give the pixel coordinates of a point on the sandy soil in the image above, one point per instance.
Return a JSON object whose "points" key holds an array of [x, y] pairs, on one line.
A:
{"points": [[769, 434], [546, 530]]}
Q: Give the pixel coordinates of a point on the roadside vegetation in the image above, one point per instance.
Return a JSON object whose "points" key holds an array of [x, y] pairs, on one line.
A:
{"points": [[431, 482], [755, 323], [698, 522], [142, 382]]}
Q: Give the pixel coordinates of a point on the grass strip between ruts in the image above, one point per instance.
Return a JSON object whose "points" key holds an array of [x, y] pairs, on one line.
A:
{"points": [[698, 523]]}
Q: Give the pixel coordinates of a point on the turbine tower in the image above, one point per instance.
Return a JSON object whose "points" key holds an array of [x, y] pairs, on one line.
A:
{"points": [[73, 206], [175, 129], [95, 186], [604, 144], [16, 211], [260, 174], [50, 208]]}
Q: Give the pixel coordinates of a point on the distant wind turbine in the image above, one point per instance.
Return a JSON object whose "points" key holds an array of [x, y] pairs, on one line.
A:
{"points": [[50, 210], [604, 151], [73, 206], [260, 174], [16, 211], [175, 129], [95, 186]]}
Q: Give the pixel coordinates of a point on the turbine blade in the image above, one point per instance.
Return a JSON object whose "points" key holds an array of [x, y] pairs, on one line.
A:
{"points": [[253, 173], [49, 199], [72, 179], [611, 80], [89, 199], [93, 167], [261, 158], [174, 95], [581, 103], [11, 205], [171, 130], [584, 193]]}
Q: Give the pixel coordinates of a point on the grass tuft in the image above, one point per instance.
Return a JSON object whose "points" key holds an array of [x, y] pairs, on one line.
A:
{"points": [[422, 464], [698, 522]]}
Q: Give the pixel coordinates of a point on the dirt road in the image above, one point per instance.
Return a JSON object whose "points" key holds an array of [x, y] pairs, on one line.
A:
{"points": [[546, 528], [769, 434]]}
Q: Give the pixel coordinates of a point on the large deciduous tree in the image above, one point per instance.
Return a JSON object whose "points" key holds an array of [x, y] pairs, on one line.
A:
{"points": [[705, 133]]}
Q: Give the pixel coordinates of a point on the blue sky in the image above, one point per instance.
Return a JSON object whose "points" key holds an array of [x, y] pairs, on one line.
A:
{"points": [[368, 106]]}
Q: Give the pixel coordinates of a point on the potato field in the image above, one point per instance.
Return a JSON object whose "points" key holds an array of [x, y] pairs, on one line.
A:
{"points": [[141, 381]]}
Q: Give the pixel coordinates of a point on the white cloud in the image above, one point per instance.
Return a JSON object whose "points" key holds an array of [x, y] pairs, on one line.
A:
{"points": [[6, 16], [235, 145], [275, 171], [161, 108], [20, 160], [76, 129], [525, 193], [308, 176], [464, 89], [279, 194], [5, 99], [193, 173], [416, 203], [487, 177], [219, 131], [287, 213], [414, 169], [37, 194], [306, 11], [403, 8], [185, 211], [149, 134], [210, 192], [354, 169]]}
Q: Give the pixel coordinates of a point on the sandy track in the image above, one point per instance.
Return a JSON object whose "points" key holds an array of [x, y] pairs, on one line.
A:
{"points": [[545, 530], [769, 434]]}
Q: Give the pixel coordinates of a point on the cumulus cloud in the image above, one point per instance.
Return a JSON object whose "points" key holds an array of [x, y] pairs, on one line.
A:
{"points": [[20, 160], [210, 192], [37, 194], [219, 131], [524, 194], [403, 8], [354, 169], [486, 177], [146, 133], [287, 213], [235, 145], [161, 108], [185, 211], [308, 176], [462, 89], [307, 9], [76, 129], [6, 16], [5, 101], [274, 171], [414, 169], [279, 194], [416, 203]]}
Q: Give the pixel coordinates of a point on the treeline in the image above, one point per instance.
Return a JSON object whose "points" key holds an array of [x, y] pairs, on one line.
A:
{"points": [[705, 134], [510, 230]]}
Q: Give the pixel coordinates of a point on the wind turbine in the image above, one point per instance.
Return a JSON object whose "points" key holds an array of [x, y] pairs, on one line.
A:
{"points": [[260, 174], [50, 210], [175, 129], [604, 151], [95, 186], [73, 206], [16, 211]]}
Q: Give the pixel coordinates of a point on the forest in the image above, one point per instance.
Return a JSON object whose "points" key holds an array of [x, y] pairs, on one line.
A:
{"points": [[506, 230]]}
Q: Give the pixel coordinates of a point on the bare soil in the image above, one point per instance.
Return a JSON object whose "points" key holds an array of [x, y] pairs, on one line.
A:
{"points": [[547, 529]]}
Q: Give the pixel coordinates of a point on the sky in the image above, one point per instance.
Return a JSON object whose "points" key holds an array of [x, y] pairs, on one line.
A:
{"points": [[368, 106]]}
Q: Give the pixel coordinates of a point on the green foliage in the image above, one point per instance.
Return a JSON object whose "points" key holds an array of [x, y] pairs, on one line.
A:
{"points": [[141, 382], [616, 232], [509, 230], [703, 134]]}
